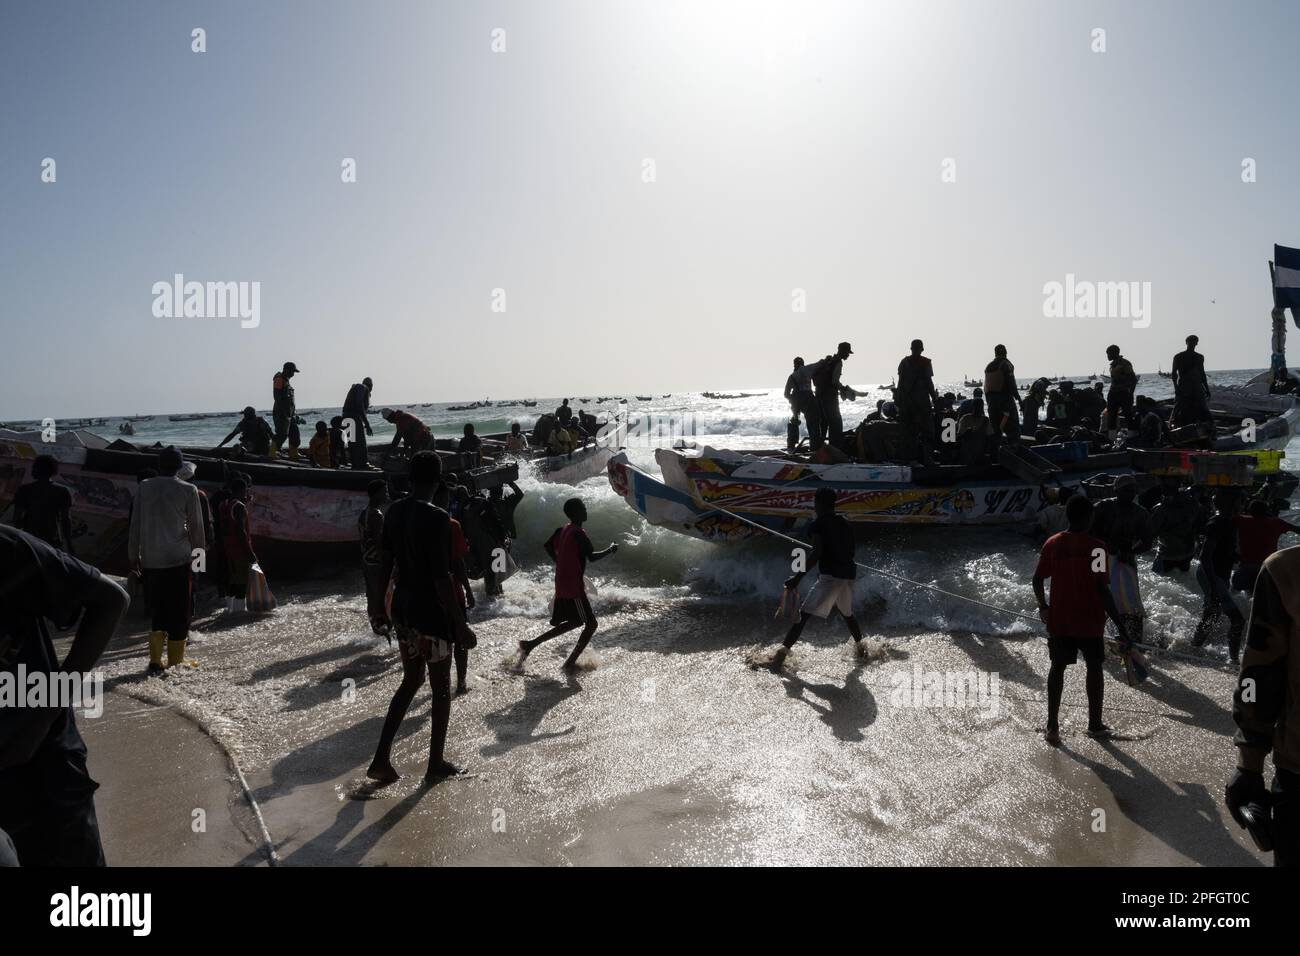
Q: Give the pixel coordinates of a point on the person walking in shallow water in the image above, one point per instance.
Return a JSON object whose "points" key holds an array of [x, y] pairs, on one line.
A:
{"points": [[428, 619], [833, 550], [1075, 562], [570, 548]]}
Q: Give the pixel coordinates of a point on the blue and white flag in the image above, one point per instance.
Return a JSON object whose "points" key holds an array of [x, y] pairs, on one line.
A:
{"points": [[1286, 279]]}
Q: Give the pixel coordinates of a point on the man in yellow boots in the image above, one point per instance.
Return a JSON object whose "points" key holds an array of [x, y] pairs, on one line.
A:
{"points": [[166, 535]]}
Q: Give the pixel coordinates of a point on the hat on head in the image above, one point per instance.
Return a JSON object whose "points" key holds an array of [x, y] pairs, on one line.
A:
{"points": [[290, 367], [845, 347]]}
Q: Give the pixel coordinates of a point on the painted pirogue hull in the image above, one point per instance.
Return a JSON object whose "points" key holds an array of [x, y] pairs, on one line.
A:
{"points": [[296, 528], [696, 490]]}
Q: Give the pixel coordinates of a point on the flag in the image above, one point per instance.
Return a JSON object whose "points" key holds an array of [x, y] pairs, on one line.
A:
{"points": [[1286, 279]]}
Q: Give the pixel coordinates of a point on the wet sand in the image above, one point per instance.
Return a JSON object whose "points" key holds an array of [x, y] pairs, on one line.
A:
{"points": [[669, 751]]}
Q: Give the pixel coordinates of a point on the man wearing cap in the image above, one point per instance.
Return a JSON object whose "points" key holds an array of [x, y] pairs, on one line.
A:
{"points": [[355, 407], [1001, 395], [166, 530], [829, 392], [915, 394], [254, 433], [283, 411], [1191, 387]]}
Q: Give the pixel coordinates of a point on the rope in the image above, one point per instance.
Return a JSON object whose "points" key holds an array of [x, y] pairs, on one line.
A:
{"points": [[1149, 648]]}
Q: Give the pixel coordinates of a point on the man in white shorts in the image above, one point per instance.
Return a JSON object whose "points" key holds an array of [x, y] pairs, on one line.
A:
{"points": [[833, 550]]}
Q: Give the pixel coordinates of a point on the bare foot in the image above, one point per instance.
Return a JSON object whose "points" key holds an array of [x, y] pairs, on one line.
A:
{"points": [[461, 689], [1053, 737], [383, 773]]}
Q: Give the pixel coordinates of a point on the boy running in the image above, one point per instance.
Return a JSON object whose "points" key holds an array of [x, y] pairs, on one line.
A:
{"points": [[833, 550], [570, 549]]}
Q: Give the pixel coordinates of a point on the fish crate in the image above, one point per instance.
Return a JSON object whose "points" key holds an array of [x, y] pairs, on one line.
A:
{"points": [[1061, 452], [1163, 462], [1267, 461], [1223, 470]]}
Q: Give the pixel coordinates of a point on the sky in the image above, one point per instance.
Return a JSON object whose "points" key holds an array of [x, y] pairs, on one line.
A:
{"points": [[670, 196]]}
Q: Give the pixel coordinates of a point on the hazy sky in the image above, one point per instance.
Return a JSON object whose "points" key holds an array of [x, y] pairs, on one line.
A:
{"points": [[795, 146]]}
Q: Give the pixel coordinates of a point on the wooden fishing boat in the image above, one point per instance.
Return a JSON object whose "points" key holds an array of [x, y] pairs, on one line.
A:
{"points": [[302, 517]]}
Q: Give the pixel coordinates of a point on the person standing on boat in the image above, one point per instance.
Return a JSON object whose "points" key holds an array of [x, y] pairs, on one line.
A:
{"points": [[44, 509], [370, 526], [1191, 387], [805, 402], [1123, 385], [427, 618], [166, 529], [829, 392], [792, 396], [915, 396], [284, 411], [355, 409], [1032, 405], [1214, 572], [1266, 707], [1125, 527], [1075, 563], [564, 413], [1002, 396], [833, 549], [570, 548]]}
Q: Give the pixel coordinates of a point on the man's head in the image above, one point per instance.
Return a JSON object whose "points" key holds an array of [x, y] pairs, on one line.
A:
{"points": [[290, 370], [978, 392], [169, 460], [917, 346], [44, 467], [1098, 387], [1000, 351], [469, 429], [798, 361], [388, 414], [378, 491], [1259, 508], [1126, 489], [426, 471], [564, 404], [250, 411], [1112, 352], [336, 421], [368, 383], [824, 501], [844, 350], [322, 428], [514, 428], [239, 489], [1192, 341], [575, 510], [1078, 511]]}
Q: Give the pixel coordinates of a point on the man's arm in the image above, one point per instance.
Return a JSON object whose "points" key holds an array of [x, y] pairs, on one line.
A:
{"points": [[810, 559], [194, 518], [133, 535], [228, 437]]}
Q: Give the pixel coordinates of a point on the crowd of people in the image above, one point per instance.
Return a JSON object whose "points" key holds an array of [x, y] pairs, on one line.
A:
{"points": [[918, 424]]}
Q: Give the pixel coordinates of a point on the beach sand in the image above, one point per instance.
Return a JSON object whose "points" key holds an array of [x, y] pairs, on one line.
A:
{"points": [[670, 750]]}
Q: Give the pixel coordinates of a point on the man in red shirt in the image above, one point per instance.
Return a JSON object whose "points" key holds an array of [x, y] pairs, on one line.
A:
{"points": [[570, 549], [1076, 563], [1257, 536]]}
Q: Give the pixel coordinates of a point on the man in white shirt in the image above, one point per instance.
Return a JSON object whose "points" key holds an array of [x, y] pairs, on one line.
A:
{"points": [[166, 531]]}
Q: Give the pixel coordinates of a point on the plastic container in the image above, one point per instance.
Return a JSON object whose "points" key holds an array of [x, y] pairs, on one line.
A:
{"points": [[1223, 470], [1267, 461]]}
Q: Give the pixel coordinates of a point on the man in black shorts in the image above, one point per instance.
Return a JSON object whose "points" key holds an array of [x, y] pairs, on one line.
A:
{"points": [[1077, 564], [425, 614]]}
